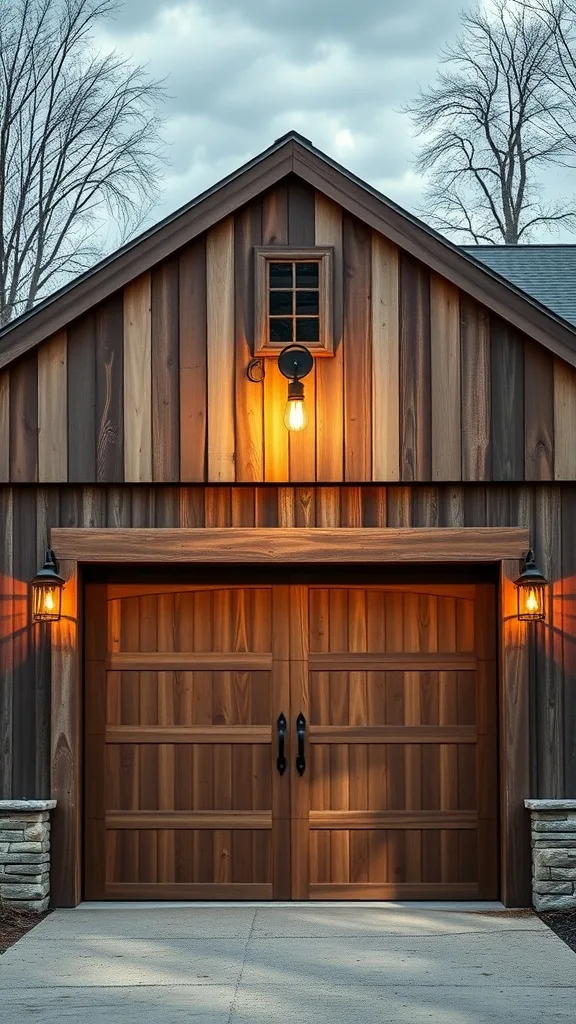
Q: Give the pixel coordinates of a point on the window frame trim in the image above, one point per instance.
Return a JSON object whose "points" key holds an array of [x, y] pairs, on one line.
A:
{"points": [[324, 256]]}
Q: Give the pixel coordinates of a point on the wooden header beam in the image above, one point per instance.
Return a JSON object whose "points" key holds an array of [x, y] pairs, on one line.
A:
{"points": [[240, 545]]}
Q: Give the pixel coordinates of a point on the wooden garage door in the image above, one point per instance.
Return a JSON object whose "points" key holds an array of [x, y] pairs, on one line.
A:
{"points": [[396, 793], [183, 800], [399, 795]]}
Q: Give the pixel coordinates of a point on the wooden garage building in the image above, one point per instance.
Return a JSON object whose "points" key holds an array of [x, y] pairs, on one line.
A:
{"points": [[354, 577]]}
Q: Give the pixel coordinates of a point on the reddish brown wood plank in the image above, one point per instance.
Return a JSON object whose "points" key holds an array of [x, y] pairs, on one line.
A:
{"points": [[137, 380], [276, 466], [330, 372], [301, 233], [189, 891], [220, 351], [357, 254], [193, 372], [514, 747], [476, 398], [109, 409], [394, 891], [312, 545], [445, 380], [82, 400], [538, 412], [165, 383], [385, 361], [24, 419], [507, 389], [66, 773], [392, 734], [415, 382], [52, 410], [249, 410], [564, 421], [189, 819], [5, 426]]}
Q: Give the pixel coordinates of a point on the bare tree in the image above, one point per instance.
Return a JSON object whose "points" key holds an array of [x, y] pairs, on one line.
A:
{"points": [[494, 119], [558, 18], [80, 146]]}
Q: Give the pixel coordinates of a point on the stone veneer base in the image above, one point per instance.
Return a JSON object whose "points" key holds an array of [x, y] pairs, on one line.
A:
{"points": [[25, 854], [553, 827]]}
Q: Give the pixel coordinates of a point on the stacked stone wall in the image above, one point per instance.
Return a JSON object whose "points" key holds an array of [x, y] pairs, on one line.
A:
{"points": [[25, 854], [553, 827]]}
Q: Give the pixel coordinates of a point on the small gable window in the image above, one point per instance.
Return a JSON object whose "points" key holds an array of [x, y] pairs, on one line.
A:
{"points": [[293, 300]]}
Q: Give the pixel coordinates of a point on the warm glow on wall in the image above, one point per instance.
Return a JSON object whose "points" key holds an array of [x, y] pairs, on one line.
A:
{"points": [[294, 363]]}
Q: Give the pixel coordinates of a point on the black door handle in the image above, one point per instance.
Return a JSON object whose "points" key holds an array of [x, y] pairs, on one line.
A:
{"points": [[301, 734], [281, 762]]}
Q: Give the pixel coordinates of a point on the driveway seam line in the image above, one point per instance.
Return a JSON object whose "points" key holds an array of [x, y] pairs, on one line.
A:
{"points": [[239, 982]]}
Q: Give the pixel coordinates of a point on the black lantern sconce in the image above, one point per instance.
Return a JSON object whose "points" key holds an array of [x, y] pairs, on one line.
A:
{"points": [[294, 363], [531, 586], [46, 588]]}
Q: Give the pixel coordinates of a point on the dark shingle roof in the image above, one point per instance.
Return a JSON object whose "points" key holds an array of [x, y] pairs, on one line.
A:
{"points": [[546, 272]]}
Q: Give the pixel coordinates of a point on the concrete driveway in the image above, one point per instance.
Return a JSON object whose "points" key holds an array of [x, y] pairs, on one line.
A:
{"points": [[299, 965]]}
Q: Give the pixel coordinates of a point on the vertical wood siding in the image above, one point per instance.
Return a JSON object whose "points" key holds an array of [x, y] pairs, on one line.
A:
{"points": [[385, 361], [424, 384], [138, 380], [220, 341], [193, 361], [53, 410], [28, 513], [330, 372], [445, 380], [4, 426]]}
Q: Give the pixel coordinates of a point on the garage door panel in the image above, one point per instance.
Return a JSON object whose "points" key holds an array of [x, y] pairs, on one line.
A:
{"points": [[394, 857], [188, 856], [184, 688], [397, 763], [188, 698], [187, 765]]}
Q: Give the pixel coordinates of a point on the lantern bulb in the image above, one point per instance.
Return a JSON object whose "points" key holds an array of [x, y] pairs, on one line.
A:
{"points": [[295, 416], [532, 603], [49, 601]]}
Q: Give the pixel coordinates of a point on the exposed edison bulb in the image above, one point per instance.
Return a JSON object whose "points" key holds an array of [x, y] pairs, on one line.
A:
{"points": [[295, 416], [532, 603], [48, 601]]}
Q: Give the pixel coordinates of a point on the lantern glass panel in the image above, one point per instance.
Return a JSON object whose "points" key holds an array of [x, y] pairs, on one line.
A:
{"points": [[531, 602], [46, 601]]}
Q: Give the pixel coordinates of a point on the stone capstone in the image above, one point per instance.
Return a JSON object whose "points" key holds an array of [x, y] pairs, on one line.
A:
{"points": [[24, 853], [553, 831]]}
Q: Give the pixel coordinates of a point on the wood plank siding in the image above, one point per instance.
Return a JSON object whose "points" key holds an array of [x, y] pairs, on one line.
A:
{"points": [[448, 401], [425, 385], [27, 514]]}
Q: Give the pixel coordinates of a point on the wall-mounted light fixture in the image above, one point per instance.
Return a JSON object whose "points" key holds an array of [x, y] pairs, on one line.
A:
{"points": [[294, 362], [531, 586], [47, 587]]}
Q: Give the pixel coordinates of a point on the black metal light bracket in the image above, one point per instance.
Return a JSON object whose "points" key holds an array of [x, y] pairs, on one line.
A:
{"points": [[256, 371], [530, 574], [49, 571], [295, 362]]}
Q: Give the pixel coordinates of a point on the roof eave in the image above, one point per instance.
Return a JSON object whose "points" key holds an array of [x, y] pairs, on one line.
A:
{"points": [[142, 253], [439, 254], [292, 153]]}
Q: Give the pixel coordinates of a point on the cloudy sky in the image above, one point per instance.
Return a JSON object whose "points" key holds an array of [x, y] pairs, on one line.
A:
{"points": [[241, 73]]}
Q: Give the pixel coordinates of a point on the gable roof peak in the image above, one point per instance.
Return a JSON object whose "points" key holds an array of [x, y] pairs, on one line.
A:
{"points": [[291, 154], [293, 136]]}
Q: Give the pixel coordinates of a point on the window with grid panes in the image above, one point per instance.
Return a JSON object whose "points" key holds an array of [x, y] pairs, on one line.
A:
{"points": [[293, 299], [293, 302]]}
